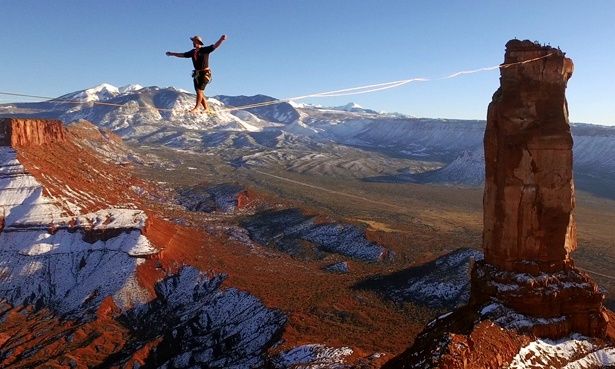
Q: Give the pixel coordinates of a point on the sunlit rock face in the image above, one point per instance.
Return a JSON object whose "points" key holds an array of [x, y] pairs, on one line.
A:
{"points": [[529, 199], [21, 132], [529, 194]]}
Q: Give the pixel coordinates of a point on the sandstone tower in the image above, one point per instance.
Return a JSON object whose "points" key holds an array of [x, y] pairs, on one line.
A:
{"points": [[529, 226]]}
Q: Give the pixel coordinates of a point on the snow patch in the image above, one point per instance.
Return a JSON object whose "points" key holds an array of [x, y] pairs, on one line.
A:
{"points": [[295, 104], [599, 358], [67, 262], [510, 319], [130, 88], [102, 92], [580, 352], [313, 356]]}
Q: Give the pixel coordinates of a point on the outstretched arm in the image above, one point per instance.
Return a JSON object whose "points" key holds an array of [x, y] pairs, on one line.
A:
{"points": [[179, 55], [220, 41]]}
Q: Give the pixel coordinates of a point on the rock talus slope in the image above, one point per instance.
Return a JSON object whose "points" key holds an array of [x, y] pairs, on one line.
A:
{"points": [[529, 305]]}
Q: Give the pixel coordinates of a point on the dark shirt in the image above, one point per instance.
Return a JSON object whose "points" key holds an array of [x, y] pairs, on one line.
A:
{"points": [[200, 60]]}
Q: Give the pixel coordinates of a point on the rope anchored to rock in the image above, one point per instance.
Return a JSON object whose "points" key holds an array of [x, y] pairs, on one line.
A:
{"points": [[335, 93]]}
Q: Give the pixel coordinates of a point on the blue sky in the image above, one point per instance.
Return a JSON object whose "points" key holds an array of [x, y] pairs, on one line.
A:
{"points": [[286, 48]]}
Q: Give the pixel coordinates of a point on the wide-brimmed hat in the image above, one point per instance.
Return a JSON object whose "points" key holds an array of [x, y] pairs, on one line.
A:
{"points": [[197, 39]]}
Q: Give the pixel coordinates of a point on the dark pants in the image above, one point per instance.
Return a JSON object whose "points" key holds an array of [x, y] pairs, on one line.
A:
{"points": [[201, 78]]}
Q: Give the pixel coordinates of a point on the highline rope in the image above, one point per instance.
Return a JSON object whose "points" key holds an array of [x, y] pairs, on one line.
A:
{"points": [[335, 93]]}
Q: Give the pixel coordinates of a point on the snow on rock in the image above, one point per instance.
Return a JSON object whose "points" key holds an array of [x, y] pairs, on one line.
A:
{"points": [[545, 296], [467, 169], [599, 358], [69, 263], [352, 107], [341, 267], [28, 215], [73, 283], [594, 151], [295, 104], [114, 218], [21, 196], [510, 319], [130, 88], [347, 240], [24, 205], [576, 351], [41, 242], [444, 282], [101, 92], [222, 197], [277, 112], [288, 230], [248, 127], [204, 325], [447, 281], [313, 356]]}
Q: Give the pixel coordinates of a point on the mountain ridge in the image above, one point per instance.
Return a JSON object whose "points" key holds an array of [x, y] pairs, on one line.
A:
{"points": [[432, 151]]}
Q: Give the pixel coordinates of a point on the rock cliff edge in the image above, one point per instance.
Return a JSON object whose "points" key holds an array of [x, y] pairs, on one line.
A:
{"points": [[21, 132]]}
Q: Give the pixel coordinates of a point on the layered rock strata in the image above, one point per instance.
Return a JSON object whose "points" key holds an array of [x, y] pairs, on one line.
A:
{"points": [[529, 195], [529, 225], [16, 132]]}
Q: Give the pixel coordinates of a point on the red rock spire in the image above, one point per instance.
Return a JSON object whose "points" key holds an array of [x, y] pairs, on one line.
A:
{"points": [[526, 286], [529, 225], [529, 193]]}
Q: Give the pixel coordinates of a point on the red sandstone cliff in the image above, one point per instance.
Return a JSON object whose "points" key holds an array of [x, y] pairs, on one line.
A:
{"points": [[529, 196], [527, 285], [17, 132], [529, 199]]}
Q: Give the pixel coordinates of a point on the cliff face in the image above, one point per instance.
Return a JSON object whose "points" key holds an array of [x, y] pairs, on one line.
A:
{"points": [[526, 286], [529, 194], [22, 132], [529, 200]]}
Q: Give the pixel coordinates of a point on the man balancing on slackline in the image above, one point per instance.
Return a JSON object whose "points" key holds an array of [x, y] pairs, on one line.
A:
{"points": [[201, 74]]}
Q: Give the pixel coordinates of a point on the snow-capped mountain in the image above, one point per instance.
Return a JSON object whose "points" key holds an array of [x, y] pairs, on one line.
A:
{"points": [[350, 106], [355, 108], [347, 140], [101, 92], [283, 112], [129, 88]]}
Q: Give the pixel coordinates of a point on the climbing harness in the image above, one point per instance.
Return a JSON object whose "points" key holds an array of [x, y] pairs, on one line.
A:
{"points": [[206, 72]]}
